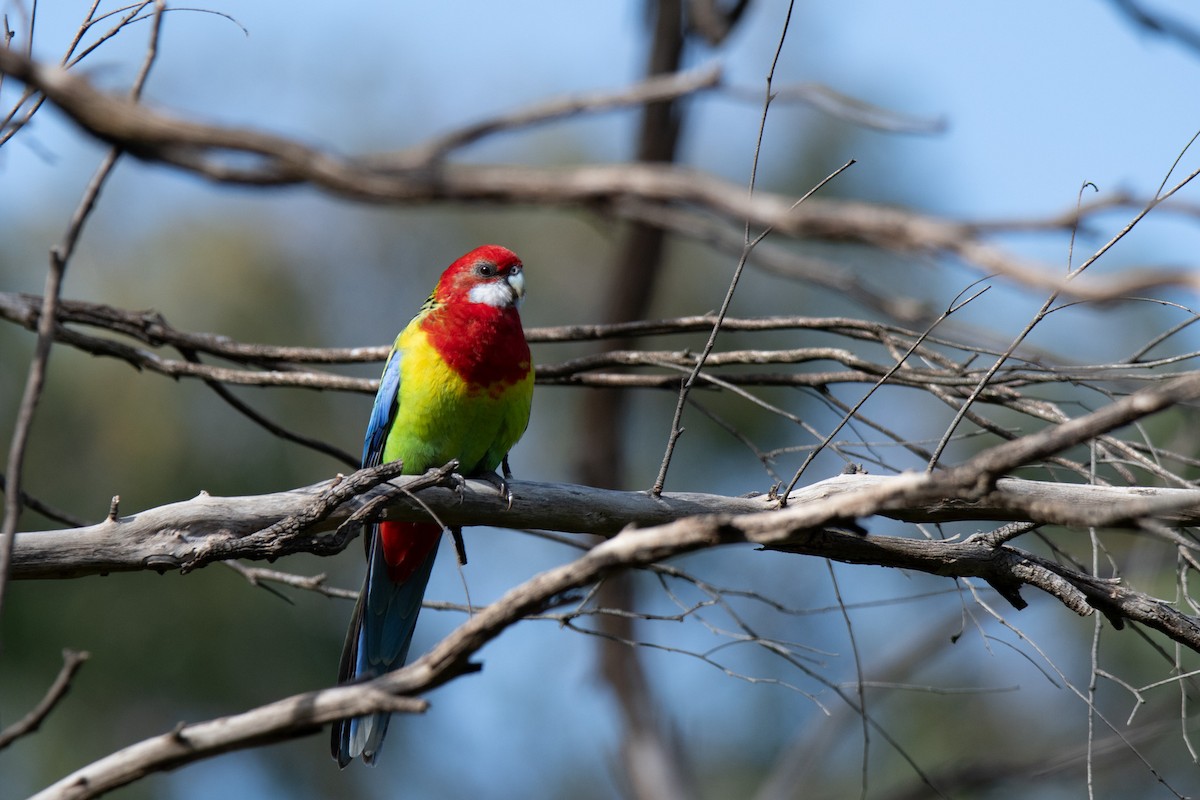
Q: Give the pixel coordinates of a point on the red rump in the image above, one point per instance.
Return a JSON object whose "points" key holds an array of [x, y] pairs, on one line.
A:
{"points": [[406, 545]]}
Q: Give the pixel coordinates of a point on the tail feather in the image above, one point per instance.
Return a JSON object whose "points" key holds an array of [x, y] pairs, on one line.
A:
{"points": [[381, 629]]}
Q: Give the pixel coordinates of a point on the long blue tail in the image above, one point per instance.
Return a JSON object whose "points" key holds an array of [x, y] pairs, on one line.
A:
{"points": [[400, 558]]}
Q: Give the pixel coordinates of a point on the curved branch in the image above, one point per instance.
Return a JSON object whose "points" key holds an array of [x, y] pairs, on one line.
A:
{"points": [[72, 661], [654, 89], [151, 328], [284, 719], [220, 154]]}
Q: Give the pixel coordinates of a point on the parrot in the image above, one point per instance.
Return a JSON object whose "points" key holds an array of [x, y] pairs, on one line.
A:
{"points": [[457, 384]]}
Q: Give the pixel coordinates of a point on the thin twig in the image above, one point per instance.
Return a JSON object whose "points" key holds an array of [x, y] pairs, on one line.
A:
{"points": [[72, 661], [60, 255], [1045, 309], [258, 576], [654, 89], [853, 412]]}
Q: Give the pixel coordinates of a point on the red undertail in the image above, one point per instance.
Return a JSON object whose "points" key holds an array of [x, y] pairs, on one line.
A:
{"points": [[406, 545]]}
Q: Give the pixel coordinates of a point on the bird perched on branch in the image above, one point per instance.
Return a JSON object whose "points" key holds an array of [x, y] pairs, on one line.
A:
{"points": [[457, 385]]}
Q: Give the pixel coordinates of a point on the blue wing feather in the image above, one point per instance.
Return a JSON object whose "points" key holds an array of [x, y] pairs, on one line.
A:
{"points": [[383, 412]]}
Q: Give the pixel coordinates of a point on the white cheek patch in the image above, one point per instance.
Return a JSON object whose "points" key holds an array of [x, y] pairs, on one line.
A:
{"points": [[492, 293]]}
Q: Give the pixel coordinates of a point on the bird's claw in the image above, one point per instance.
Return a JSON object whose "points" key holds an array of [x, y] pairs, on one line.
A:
{"points": [[458, 485], [501, 485]]}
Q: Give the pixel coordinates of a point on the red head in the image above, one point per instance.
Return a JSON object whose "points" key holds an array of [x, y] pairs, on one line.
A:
{"points": [[471, 318], [491, 275]]}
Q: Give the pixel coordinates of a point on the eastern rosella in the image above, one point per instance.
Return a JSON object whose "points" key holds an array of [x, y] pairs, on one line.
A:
{"points": [[457, 385]]}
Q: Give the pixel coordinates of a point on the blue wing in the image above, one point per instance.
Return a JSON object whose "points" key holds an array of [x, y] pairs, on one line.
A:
{"points": [[383, 412]]}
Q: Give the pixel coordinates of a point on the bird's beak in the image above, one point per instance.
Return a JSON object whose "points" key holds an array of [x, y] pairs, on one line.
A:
{"points": [[516, 279]]}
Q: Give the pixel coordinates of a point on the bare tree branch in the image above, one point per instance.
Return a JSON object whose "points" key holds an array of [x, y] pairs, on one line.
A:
{"points": [[72, 661], [196, 532], [50, 512], [396, 179], [655, 89], [150, 328], [1160, 23], [279, 366], [260, 576], [190, 534], [294, 716]]}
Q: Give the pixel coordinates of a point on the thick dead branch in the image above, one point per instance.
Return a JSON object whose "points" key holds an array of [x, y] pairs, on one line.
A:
{"points": [[191, 533], [195, 532]]}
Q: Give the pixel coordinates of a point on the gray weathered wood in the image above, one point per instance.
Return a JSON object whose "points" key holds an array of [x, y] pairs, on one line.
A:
{"points": [[191, 533]]}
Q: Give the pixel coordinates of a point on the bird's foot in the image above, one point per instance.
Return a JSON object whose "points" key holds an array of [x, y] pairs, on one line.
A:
{"points": [[501, 485]]}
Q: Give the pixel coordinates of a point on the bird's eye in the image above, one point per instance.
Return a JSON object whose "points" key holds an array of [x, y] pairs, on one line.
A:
{"points": [[486, 270]]}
